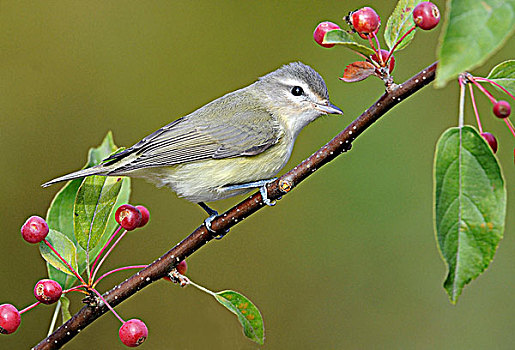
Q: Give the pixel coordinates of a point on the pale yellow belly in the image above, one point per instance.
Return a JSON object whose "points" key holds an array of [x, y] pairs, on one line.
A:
{"points": [[204, 181]]}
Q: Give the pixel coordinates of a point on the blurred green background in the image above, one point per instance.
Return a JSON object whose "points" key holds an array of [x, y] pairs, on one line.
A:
{"points": [[346, 261]]}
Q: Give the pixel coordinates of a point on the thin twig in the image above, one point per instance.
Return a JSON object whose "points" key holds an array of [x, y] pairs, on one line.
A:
{"points": [[196, 240]]}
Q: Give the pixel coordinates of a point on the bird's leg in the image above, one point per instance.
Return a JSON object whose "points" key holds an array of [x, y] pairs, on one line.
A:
{"points": [[261, 184], [212, 215]]}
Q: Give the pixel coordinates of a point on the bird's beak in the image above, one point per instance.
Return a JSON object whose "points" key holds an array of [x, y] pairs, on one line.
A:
{"points": [[329, 108]]}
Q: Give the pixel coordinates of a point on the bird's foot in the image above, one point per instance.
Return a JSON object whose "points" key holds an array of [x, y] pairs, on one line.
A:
{"points": [[207, 222], [264, 194], [261, 184]]}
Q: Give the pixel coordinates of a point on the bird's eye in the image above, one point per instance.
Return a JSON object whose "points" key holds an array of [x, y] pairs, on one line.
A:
{"points": [[297, 91]]}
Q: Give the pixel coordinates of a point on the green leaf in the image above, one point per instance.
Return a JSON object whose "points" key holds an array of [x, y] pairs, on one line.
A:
{"points": [[60, 218], [399, 23], [65, 308], [106, 148], [112, 225], [473, 31], [102, 230], [60, 213], [65, 280], [341, 37], [64, 246], [504, 75], [248, 314], [93, 206], [470, 205]]}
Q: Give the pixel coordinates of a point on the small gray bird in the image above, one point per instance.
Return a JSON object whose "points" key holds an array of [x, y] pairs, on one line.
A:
{"points": [[235, 143]]}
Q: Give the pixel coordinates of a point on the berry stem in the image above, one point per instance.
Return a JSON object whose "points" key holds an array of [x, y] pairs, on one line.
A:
{"points": [[496, 84], [372, 44], [480, 87], [365, 57], [107, 254], [398, 42], [108, 306], [377, 42], [510, 126], [30, 307], [475, 109], [76, 289], [102, 251], [116, 270], [64, 261]]}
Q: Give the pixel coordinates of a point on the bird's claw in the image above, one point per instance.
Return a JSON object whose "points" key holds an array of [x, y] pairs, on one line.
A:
{"points": [[208, 222], [264, 195]]}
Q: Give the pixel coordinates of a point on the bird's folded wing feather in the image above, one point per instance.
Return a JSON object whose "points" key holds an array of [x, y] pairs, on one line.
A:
{"points": [[189, 139]]}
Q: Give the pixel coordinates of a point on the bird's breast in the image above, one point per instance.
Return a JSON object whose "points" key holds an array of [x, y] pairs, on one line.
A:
{"points": [[204, 180]]}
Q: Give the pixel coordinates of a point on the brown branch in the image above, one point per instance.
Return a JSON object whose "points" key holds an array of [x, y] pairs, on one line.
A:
{"points": [[159, 268]]}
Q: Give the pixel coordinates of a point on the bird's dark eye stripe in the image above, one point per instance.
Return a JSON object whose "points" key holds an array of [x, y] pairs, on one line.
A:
{"points": [[297, 91]]}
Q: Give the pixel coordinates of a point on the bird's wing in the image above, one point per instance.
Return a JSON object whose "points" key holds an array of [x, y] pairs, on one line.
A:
{"points": [[189, 139]]}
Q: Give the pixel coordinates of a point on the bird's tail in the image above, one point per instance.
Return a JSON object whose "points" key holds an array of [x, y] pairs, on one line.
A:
{"points": [[96, 170]]}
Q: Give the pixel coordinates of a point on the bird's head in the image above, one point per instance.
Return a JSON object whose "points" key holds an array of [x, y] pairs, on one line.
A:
{"points": [[296, 94]]}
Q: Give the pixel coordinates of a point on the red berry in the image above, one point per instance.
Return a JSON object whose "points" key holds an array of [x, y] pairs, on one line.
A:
{"points": [[48, 291], [365, 36], [182, 267], [491, 140], [34, 230], [502, 109], [128, 216], [321, 30], [426, 15], [365, 20], [133, 332], [9, 319], [145, 215], [384, 56]]}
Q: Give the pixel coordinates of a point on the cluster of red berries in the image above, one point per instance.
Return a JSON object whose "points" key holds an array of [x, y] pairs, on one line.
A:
{"points": [[366, 22], [131, 217], [132, 332], [502, 110]]}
